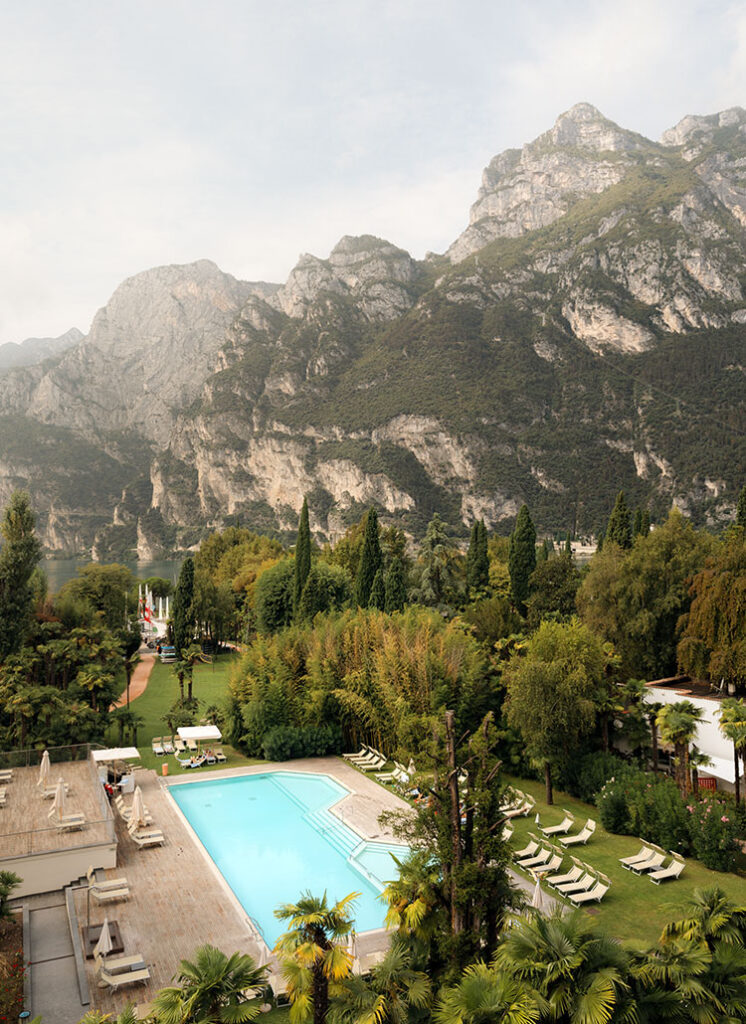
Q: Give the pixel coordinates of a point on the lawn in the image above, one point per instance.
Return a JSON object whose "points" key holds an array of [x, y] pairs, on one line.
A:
{"points": [[210, 687], [634, 909]]}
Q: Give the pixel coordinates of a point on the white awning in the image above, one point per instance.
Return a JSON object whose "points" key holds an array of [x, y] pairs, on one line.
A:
{"points": [[115, 754], [721, 768], [200, 733]]}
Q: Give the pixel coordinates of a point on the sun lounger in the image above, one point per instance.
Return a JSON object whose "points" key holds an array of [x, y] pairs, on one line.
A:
{"points": [[515, 797], [179, 745], [192, 744], [668, 874], [2, 797], [373, 765], [562, 829], [196, 763], [573, 875], [110, 895], [119, 980], [48, 792], [529, 850], [551, 867], [653, 862], [148, 838], [582, 837], [543, 857], [210, 758], [220, 756], [598, 892], [118, 964], [157, 746], [645, 853], [522, 811], [106, 883], [168, 744], [70, 822], [353, 757], [583, 884], [6, 775], [508, 831]]}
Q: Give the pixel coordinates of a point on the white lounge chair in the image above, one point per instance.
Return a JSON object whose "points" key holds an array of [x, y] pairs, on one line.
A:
{"points": [[670, 873], [157, 746], [541, 858], [118, 964], [152, 838], [6, 775], [69, 822], [105, 883], [507, 833], [552, 866], [529, 850], [48, 792], [168, 744], [353, 757], [651, 864], [564, 826], [583, 884], [514, 798], [645, 852], [179, 745], [582, 837], [523, 811], [598, 892], [219, 755], [568, 878], [3, 797], [192, 744], [116, 981]]}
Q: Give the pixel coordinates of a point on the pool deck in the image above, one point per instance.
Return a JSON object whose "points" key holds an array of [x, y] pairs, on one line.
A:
{"points": [[178, 899]]}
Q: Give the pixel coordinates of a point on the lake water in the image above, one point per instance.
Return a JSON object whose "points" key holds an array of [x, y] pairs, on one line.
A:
{"points": [[60, 570]]}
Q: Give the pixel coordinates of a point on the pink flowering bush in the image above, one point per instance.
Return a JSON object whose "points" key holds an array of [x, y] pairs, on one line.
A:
{"points": [[714, 827]]}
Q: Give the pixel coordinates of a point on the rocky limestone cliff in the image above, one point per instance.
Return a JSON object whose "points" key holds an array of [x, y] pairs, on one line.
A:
{"points": [[36, 350]]}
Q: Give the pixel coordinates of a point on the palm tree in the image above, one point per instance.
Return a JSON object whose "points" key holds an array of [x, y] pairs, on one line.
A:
{"points": [[214, 989], [127, 1016], [487, 996], [415, 899], [712, 918], [315, 959], [578, 973], [386, 997], [678, 726], [733, 727]]}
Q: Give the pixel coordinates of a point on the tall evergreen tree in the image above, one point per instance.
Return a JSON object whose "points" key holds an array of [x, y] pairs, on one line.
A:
{"points": [[637, 523], [568, 546], [395, 586], [619, 529], [371, 560], [377, 597], [741, 508], [522, 558], [645, 527], [302, 555], [477, 559], [183, 608], [18, 557]]}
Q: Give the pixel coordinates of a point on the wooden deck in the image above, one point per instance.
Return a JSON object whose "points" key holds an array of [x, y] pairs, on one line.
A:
{"points": [[180, 901], [25, 826]]}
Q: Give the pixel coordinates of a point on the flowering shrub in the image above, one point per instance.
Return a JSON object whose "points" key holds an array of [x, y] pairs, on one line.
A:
{"points": [[12, 972], [714, 828]]}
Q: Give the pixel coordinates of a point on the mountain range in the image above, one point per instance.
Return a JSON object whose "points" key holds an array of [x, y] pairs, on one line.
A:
{"points": [[585, 333]]}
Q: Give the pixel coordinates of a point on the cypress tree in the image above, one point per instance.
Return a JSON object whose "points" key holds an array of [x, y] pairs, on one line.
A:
{"points": [[371, 560], [395, 586], [377, 597], [302, 555], [18, 557], [183, 607], [522, 558], [637, 523], [645, 527], [477, 559], [600, 541], [568, 546], [741, 508], [619, 529]]}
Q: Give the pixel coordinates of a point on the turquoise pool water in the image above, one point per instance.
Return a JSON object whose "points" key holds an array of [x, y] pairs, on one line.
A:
{"points": [[273, 838]]}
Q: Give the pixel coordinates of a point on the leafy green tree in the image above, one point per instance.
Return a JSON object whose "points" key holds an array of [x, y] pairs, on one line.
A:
{"points": [[732, 725], [106, 589], [8, 882], [438, 578], [637, 523], [273, 597], [553, 586], [493, 619], [645, 526], [568, 545], [18, 557], [183, 607], [327, 589], [386, 995], [677, 724], [576, 972], [487, 996], [302, 564], [371, 560], [315, 960], [378, 592], [550, 691], [212, 989], [619, 529], [477, 559], [741, 508], [522, 558], [395, 586]]}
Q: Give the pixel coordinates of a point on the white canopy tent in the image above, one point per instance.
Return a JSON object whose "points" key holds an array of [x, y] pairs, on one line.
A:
{"points": [[115, 754], [200, 733]]}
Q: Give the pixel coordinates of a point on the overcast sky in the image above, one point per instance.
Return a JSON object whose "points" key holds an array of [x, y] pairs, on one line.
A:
{"points": [[141, 133]]}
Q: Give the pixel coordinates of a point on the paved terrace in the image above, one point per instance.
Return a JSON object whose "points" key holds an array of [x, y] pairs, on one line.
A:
{"points": [[25, 826], [178, 900]]}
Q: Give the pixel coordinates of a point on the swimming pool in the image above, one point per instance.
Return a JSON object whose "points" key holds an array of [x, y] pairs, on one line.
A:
{"points": [[273, 838]]}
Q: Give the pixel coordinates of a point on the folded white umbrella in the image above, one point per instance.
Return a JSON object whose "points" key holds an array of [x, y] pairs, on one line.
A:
{"points": [[44, 770], [137, 814], [104, 945], [411, 768], [59, 799], [538, 900]]}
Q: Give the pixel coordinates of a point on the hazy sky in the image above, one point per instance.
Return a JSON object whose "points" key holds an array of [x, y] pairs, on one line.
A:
{"points": [[136, 134]]}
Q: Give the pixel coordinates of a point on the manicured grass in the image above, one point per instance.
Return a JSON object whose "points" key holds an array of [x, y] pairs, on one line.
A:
{"points": [[210, 687], [634, 909]]}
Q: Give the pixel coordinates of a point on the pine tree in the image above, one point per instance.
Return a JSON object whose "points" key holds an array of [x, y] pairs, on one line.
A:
{"points": [[637, 523], [183, 608], [395, 586], [522, 558], [377, 597], [18, 557], [619, 529], [371, 560], [302, 555], [741, 508], [477, 559]]}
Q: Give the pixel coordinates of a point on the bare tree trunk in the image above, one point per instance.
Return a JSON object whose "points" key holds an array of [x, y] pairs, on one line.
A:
{"points": [[695, 782], [548, 782], [455, 820]]}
